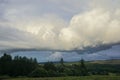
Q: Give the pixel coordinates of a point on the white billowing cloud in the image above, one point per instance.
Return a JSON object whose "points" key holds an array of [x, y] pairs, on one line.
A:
{"points": [[34, 25], [55, 56], [41, 33], [93, 28], [100, 25]]}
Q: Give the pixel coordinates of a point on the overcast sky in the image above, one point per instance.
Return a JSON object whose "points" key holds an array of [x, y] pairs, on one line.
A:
{"points": [[58, 24]]}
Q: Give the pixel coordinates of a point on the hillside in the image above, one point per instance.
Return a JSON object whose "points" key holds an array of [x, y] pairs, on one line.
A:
{"points": [[114, 61]]}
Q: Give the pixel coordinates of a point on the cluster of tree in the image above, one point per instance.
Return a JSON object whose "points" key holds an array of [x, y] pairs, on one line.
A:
{"points": [[22, 66], [103, 69], [49, 69], [19, 66]]}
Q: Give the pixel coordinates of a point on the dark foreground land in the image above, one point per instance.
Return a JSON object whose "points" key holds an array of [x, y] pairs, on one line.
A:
{"points": [[71, 78], [23, 68]]}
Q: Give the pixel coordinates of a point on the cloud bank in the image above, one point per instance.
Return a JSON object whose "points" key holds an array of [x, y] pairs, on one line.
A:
{"points": [[58, 24]]}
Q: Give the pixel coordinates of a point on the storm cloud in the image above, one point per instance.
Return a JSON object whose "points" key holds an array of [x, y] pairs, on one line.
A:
{"points": [[58, 24]]}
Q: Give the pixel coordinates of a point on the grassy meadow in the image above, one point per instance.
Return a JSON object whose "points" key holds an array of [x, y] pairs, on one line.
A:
{"points": [[72, 78]]}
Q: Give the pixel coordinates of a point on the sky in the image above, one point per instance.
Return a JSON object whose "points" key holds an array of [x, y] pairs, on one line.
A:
{"points": [[58, 24], [44, 56]]}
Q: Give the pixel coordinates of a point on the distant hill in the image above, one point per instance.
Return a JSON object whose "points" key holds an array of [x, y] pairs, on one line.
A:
{"points": [[114, 61]]}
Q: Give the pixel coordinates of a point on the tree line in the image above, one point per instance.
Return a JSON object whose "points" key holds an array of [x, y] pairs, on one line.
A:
{"points": [[29, 67], [19, 66]]}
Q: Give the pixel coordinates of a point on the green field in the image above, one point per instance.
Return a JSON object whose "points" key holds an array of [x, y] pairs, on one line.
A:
{"points": [[72, 78], [114, 61], [117, 61]]}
